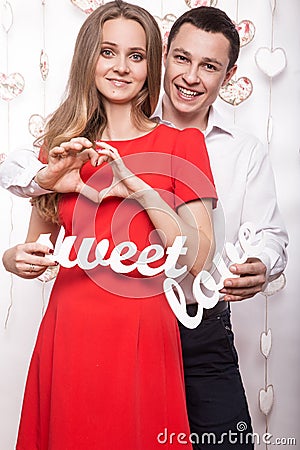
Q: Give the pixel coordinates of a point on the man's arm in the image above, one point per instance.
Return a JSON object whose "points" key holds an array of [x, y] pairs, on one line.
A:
{"points": [[24, 175], [17, 173], [260, 207]]}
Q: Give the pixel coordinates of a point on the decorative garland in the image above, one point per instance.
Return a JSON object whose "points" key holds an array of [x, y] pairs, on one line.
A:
{"points": [[271, 61], [11, 85]]}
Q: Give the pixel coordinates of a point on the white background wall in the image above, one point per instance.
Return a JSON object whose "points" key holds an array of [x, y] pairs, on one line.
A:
{"points": [[25, 300]]}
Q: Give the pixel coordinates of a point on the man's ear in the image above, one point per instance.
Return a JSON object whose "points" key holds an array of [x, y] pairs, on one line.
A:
{"points": [[229, 74]]}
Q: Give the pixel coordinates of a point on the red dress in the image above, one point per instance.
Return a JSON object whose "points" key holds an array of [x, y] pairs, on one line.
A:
{"points": [[106, 372]]}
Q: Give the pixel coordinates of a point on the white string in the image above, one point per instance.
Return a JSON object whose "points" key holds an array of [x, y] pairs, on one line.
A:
{"points": [[7, 22]]}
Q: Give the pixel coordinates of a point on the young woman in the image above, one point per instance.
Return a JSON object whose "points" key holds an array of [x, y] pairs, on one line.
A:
{"points": [[106, 371]]}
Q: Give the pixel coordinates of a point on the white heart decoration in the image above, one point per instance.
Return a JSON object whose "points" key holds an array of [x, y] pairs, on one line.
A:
{"points": [[87, 6], [269, 129], [51, 271], [246, 30], [266, 399], [11, 85], [49, 274], [7, 16], [165, 25], [273, 5], [275, 286], [266, 343], [44, 64], [36, 125], [196, 3], [236, 91], [2, 157], [270, 62]]}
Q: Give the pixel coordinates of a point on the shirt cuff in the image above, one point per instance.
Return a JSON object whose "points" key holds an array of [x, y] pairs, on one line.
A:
{"points": [[274, 264], [34, 190]]}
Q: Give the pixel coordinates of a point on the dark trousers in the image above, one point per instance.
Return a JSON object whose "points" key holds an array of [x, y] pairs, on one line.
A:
{"points": [[216, 401]]}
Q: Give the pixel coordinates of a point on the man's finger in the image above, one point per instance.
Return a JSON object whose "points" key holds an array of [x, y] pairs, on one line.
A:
{"points": [[252, 266], [244, 282]]}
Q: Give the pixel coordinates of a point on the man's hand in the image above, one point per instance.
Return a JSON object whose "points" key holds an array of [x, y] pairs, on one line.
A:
{"points": [[63, 171], [252, 277]]}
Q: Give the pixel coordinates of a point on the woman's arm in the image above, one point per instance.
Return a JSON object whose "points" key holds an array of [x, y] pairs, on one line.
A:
{"points": [[193, 219], [28, 260]]}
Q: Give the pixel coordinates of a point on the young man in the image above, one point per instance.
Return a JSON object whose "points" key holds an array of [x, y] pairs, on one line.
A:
{"points": [[200, 58]]}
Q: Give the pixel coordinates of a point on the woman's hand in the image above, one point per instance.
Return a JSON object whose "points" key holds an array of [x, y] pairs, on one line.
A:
{"points": [[125, 184], [26, 260], [63, 171]]}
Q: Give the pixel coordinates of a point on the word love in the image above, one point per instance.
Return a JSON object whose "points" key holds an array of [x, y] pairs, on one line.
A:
{"points": [[206, 285]]}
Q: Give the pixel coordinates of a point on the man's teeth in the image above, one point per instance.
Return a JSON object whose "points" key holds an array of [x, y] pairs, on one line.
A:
{"points": [[187, 92]]}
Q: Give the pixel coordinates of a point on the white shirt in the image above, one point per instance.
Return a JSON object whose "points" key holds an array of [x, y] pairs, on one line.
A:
{"points": [[243, 177], [246, 190]]}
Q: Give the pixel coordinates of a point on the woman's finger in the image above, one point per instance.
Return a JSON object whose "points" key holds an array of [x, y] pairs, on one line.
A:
{"points": [[102, 146], [83, 141]]}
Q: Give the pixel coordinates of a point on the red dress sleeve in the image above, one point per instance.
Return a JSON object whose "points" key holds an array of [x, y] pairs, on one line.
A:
{"points": [[43, 155], [192, 176]]}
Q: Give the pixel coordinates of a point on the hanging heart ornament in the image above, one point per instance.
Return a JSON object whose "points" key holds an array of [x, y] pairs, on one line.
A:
{"points": [[87, 6], [270, 62], [165, 25], [49, 274], [246, 30], [6, 14], [273, 5], [266, 399], [196, 3], [11, 85], [36, 125], [236, 91], [2, 157], [266, 343], [275, 286], [44, 64], [51, 271]]}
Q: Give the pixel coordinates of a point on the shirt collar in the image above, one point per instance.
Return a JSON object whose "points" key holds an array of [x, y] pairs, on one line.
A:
{"points": [[216, 122], [158, 113]]}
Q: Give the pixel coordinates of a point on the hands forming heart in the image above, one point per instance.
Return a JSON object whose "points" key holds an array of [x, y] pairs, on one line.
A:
{"points": [[125, 184], [65, 161]]}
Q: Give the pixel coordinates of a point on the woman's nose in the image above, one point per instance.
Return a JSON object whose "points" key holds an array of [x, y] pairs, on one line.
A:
{"points": [[121, 65]]}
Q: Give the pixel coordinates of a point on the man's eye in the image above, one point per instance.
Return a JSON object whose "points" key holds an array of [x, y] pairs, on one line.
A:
{"points": [[181, 58], [210, 67]]}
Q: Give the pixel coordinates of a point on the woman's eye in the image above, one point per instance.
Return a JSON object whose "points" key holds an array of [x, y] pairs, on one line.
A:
{"points": [[137, 57], [106, 52]]}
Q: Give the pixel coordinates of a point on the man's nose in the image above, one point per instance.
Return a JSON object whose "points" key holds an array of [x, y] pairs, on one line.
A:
{"points": [[191, 76]]}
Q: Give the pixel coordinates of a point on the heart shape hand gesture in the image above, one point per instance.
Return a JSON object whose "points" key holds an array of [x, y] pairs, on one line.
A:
{"points": [[125, 184], [65, 161]]}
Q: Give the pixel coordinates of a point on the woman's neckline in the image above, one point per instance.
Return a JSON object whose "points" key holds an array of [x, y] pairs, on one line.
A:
{"points": [[147, 133]]}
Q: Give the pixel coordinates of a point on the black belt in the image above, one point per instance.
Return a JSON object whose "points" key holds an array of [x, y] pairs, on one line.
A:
{"points": [[220, 307]]}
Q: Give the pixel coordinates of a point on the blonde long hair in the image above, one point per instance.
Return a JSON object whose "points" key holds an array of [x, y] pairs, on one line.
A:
{"points": [[82, 112]]}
